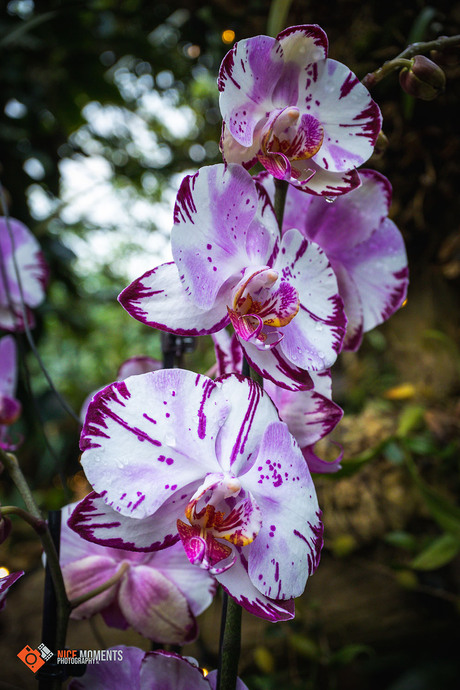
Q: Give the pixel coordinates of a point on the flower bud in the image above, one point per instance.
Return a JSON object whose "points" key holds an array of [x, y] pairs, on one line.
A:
{"points": [[424, 79]]}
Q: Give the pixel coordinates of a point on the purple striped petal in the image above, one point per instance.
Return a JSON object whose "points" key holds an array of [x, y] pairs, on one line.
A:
{"points": [[310, 415], [147, 437], [229, 355], [314, 337], [287, 549], [221, 225], [158, 299], [350, 118], [315, 464], [95, 521], [8, 374], [121, 672], [272, 364], [237, 584]]}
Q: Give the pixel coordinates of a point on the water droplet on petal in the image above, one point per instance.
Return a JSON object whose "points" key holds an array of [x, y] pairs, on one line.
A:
{"points": [[330, 199], [170, 440]]}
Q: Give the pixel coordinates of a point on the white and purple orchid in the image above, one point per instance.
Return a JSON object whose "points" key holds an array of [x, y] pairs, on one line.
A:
{"points": [[141, 670], [310, 415], [18, 245], [140, 364], [10, 407], [174, 455], [5, 583], [159, 594], [231, 267], [364, 246], [306, 118]]}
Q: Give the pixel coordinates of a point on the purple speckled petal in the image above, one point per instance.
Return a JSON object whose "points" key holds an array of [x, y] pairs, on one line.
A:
{"points": [[117, 674], [310, 415], [251, 410], [314, 337], [148, 436], [287, 548], [95, 521], [218, 214], [379, 270], [155, 607], [237, 584], [158, 299], [247, 77], [273, 365], [168, 671], [85, 574], [8, 373], [351, 119], [5, 584]]}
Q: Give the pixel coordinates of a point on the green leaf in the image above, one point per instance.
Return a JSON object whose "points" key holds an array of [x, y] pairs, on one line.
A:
{"points": [[348, 653], [441, 551], [410, 418]]}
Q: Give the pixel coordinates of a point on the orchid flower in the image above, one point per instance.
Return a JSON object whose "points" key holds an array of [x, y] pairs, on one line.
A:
{"points": [[230, 267], [364, 246], [139, 670], [18, 246], [5, 583], [307, 119], [140, 364], [159, 594], [310, 415], [10, 408], [174, 455]]}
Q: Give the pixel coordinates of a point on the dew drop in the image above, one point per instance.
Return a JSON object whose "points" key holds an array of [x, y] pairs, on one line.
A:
{"points": [[330, 199], [170, 441]]}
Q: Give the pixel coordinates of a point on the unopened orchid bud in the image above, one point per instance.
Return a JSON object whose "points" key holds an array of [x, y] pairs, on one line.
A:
{"points": [[381, 144], [424, 79]]}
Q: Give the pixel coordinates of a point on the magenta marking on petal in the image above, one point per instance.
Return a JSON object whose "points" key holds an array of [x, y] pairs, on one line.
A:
{"points": [[139, 501], [349, 84], [185, 204], [372, 127]]}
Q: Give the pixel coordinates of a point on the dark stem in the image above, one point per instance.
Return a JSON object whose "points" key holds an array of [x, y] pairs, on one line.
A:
{"points": [[281, 187], [230, 644]]}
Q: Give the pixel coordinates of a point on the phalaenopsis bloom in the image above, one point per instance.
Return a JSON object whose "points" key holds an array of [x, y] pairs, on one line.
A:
{"points": [[176, 456], [18, 246], [310, 415], [147, 671], [10, 407], [159, 594], [306, 118], [364, 246], [230, 266]]}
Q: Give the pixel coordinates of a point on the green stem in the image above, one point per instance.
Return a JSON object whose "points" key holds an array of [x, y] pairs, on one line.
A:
{"points": [[38, 524], [402, 59], [281, 187], [277, 16], [63, 606], [102, 588], [230, 644]]}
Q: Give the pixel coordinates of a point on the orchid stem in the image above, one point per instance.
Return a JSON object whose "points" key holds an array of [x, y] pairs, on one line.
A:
{"points": [[230, 644], [102, 588], [390, 66], [281, 187], [52, 558]]}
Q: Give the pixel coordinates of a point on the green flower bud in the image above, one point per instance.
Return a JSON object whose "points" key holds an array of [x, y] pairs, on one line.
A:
{"points": [[424, 79]]}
